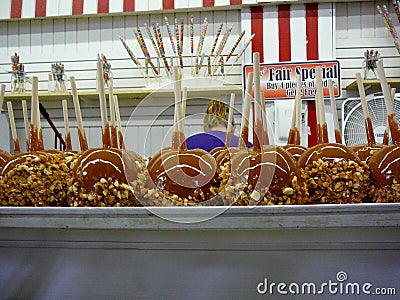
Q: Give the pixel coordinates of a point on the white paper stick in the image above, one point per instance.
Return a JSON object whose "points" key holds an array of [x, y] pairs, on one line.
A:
{"points": [[102, 96], [12, 124], [298, 102], [177, 95], [183, 103], [230, 114], [117, 113], [247, 102], [26, 121], [361, 91], [320, 93], [385, 87], [333, 104], [65, 115], [2, 93]]}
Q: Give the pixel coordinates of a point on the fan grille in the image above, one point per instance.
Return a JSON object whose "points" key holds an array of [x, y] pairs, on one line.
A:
{"points": [[353, 125]]}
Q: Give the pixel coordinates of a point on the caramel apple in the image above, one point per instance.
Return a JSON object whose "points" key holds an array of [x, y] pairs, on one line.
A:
{"points": [[36, 177], [183, 177], [100, 178], [385, 163], [385, 174], [265, 174], [333, 172], [105, 176], [4, 156]]}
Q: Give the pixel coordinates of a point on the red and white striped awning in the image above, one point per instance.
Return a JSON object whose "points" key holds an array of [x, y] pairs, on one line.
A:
{"points": [[17, 9]]}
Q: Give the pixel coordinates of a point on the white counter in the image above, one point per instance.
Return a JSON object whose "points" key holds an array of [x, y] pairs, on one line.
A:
{"points": [[131, 253]]}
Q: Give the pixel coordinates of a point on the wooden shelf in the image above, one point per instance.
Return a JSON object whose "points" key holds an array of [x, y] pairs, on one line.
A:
{"points": [[374, 84], [127, 94]]}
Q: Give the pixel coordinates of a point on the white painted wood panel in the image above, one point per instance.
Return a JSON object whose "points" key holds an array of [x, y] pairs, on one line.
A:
{"points": [[341, 20], [116, 6], [59, 39], [65, 7], [24, 35], [142, 5], [297, 28], [246, 24], [180, 4], [195, 3], [28, 8], [36, 41], [154, 4], [359, 27], [90, 7], [52, 8], [221, 2], [5, 9], [326, 31], [368, 13], [271, 44]]}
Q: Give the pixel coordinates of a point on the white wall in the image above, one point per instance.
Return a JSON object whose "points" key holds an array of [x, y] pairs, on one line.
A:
{"points": [[360, 27], [76, 42]]}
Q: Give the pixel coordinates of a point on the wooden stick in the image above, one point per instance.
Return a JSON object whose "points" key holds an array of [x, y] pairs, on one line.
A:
{"points": [[81, 130], [103, 107], [26, 123], [292, 125], [257, 128], [177, 136], [367, 119], [2, 92], [33, 142], [114, 138], [118, 115], [244, 134], [68, 143], [338, 136], [265, 136], [230, 119], [318, 120], [394, 127], [297, 108], [183, 104], [39, 129], [387, 130], [320, 99], [17, 149], [230, 114]]}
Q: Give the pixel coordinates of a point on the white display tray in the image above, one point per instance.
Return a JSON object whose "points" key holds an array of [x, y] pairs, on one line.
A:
{"points": [[175, 218], [229, 253]]}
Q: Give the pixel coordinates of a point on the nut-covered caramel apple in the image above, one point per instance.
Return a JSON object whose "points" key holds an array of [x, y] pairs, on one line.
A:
{"points": [[265, 174], [105, 176], [385, 163], [333, 172], [182, 176]]}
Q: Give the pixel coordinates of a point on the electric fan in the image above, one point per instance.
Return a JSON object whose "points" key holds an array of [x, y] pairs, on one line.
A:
{"points": [[353, 126]]}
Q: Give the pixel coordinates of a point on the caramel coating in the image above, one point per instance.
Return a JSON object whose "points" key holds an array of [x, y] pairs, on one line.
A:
{"points": [[385, 166], [364, 152], [186, 174], [332, 152], [295, 150], [107, 177], [4, 157]]}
